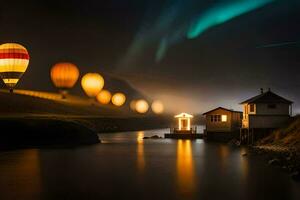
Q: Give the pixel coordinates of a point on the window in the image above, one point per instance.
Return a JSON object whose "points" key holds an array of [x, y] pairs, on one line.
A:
{"points": [[224, 118], [252, 108], [272, 106], [215, 118]]}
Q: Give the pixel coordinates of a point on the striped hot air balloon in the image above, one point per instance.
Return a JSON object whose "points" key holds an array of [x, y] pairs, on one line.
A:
{"points": [[14, 60]]}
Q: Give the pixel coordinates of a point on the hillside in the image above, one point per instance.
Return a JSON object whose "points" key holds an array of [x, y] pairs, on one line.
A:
{"points": [[26, 102], [37, 105], [287, 137]]}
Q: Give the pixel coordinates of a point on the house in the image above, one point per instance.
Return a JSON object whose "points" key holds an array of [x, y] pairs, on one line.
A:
{"points": [[222, 123], [266, 111], [222, 120]]}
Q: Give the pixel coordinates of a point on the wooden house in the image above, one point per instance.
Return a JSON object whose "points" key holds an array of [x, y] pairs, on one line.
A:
{"points": [[266, 110], [262, 114], [223, 120], [222, 123]]}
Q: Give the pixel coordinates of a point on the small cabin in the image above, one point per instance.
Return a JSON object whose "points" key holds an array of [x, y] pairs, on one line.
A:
{"points": [[222, 120], [184, 130], [266, 111], [184, 123]]}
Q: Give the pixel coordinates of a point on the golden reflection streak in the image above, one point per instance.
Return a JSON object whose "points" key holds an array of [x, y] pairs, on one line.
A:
{"points": [[140, 151], [25, 174], [185, 167], [224, 153]]}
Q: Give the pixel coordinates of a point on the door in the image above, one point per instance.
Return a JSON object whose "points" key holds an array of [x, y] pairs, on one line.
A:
{"points": [[184, 124]]}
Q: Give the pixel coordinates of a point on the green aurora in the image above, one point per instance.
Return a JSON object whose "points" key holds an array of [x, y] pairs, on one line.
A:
{"points": [[221, 14]]}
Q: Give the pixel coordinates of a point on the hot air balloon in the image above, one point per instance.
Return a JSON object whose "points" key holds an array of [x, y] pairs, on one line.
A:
{"points": [[141, 106], [157, 107], [132, 105], [92, 84], [104, 97], [14, 60], [118, 99], [64, 76]]}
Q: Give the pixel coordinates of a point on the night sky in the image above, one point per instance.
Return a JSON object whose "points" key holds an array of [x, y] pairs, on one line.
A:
{"points": [[158, 47]]}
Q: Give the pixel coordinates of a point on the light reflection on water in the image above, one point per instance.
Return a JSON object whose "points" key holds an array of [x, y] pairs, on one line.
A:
{"points": [[25, 167], [125, 166], [140, 151], [185, 167]]}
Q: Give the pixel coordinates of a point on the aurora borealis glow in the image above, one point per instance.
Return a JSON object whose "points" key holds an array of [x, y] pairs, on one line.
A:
{"points": [[222, 13], [182, 20]]}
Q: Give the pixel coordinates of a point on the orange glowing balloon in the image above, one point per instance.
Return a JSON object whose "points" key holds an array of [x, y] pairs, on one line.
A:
{"points": [[141, 106], [132, 105], [157, 107], [92, 84], [118, 99], [64, 75], [104, 97], [14, 60]]}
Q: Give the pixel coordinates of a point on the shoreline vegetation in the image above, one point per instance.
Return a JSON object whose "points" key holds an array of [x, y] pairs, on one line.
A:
{"points": [[282, 148]]}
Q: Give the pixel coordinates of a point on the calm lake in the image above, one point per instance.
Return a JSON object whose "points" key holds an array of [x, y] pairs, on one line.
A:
{"points": [[125, 166]]}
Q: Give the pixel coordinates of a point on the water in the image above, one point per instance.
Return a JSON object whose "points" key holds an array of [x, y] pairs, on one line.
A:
{"points": [[125, 166]]}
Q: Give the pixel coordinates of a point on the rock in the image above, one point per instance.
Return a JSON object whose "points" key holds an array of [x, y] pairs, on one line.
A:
{"points": [[152, 137], [274, 161], [155, 137], [39, 132], [295, 176], [234, 142]]}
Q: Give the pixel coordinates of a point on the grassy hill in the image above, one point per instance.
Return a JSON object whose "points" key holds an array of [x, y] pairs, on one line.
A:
{"points": [[286, 137]]}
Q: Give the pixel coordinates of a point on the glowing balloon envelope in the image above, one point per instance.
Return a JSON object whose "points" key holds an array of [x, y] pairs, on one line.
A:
{"points": [[132, 105], [104, 97], [157, 107], [141, 106], [118, 99], [92, 84], [14, 60], [64, 75]]}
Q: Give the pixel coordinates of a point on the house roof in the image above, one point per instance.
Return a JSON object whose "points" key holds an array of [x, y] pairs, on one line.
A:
{"points": [[267, 97], [222, 109], [183, 115]]}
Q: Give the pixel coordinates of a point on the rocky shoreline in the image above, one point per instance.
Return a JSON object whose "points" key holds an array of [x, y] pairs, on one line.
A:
{"points": [[287, 159]]}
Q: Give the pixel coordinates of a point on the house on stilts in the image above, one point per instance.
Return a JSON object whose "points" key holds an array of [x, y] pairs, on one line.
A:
{"points": [[262, 114]]}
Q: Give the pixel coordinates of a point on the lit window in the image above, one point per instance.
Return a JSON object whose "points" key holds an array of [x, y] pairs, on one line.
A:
{"points": [[224, 118]]}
